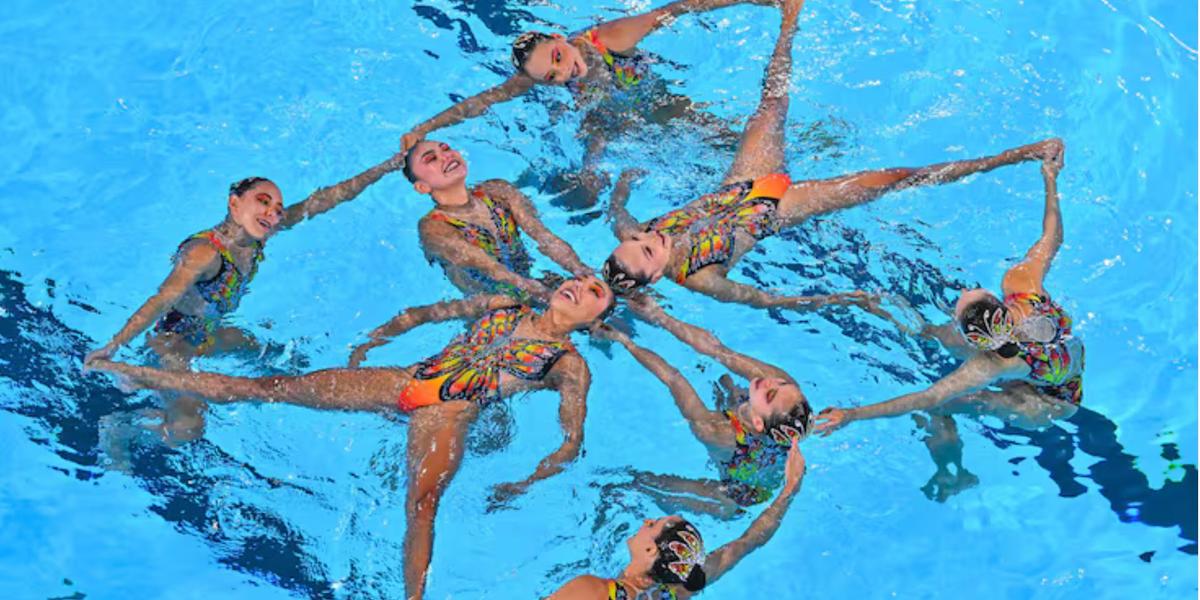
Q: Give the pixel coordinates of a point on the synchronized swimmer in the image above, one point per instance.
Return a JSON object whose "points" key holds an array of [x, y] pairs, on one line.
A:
{"points": [[1021, 360]]}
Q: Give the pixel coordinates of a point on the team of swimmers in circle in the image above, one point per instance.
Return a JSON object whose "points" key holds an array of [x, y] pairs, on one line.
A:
{"points": [[1020, 360]]}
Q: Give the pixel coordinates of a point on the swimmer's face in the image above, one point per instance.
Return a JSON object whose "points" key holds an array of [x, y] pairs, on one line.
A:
{"points": [[643, 550], [555, 62], [770, 397], [258, 210], [436, 166], [645, 254], [581, 300], [969, 297]]}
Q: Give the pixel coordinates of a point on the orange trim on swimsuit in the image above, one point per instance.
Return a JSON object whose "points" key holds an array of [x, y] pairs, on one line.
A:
{"points": [[419, 393]]}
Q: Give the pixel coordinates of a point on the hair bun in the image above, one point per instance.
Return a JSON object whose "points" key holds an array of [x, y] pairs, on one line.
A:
{"points": [[696, 579], [1008, 350]]}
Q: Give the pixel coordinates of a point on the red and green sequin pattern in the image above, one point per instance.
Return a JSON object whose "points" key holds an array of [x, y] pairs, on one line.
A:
{"points": [[1051, 364], [755, 470]]}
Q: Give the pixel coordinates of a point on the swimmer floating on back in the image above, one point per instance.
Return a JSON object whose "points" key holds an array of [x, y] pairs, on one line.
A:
{"points": [[508, 349], [696, 245], [747, 440], [1022, 344], [667, 559], [475, 234], [605, 72], [213, 270]]}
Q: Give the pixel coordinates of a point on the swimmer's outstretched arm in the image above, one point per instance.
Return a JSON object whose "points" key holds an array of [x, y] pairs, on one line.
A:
{"points": [[623, 223], [724, 558], [978, 372], [708, 426], [704, 342], [572, 378], [467, 109], [712, 283], [1028, 275], [441, 240], [527, 219], [197, 261], [623, 34], [326, 198], [411, 318]]}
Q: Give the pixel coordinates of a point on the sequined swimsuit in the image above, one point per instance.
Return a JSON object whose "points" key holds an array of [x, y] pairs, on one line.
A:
{"points": [[505, 245], [616, 591], [469, 368], [221, 292], [1055, 366], [755, 470], [627, 73], [713, 222]]}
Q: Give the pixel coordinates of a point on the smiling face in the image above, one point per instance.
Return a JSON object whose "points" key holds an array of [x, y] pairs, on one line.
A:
{"points": [[645, 255], [436, 166], [772, 397], [555, 62], [257, 210], [581, 300]]}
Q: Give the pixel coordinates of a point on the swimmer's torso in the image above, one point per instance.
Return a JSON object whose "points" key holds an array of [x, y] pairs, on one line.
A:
{"points": [[1054, 356], [196, 315], [491, 360], [718, 228], [490, 226]]}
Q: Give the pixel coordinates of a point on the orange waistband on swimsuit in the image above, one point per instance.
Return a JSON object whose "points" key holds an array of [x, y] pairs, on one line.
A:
{"points": [[420, 392], [770, 186]]}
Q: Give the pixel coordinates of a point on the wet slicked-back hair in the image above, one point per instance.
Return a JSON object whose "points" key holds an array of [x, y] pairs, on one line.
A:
{"points": [[239, 187], [406, 168], [523, 46]]}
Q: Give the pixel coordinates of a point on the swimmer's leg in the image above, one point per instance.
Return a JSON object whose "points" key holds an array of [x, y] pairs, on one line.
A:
{"points": [[808, 198], [945, 448], [182, 417], [696, 495], [436, 437], [761, 149], [332, 389]]}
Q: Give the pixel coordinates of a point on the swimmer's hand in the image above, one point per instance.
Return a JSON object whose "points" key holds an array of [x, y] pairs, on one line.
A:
{"points": [[832, 419], [359, 354], [1053, 162], [121, 372], [793, 471], [408, 140], [504, 493], [104, 352]]}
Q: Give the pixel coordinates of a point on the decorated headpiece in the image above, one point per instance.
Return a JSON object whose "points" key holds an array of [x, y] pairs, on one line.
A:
{"points": [[680, 556], [794, 424], [988, 326], [620, 280]]}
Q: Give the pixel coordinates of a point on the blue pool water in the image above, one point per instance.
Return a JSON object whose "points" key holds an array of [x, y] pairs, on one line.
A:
{"points": [[121, 125]]}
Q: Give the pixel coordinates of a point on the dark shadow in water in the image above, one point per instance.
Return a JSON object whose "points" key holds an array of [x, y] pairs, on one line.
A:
{"points": [[39, 364], [1115, 476]]}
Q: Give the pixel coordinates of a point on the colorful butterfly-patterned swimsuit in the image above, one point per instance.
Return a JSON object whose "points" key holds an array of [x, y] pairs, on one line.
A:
{"points": [[627, 72], [469, 368], [755, 470], [505, 246], [616, 591], [222, 293], [712, 222], [1051, 364]]}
